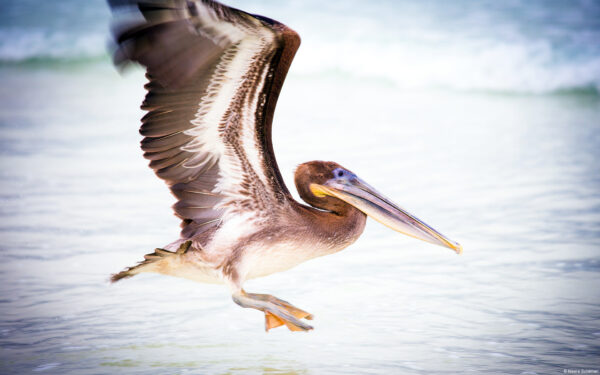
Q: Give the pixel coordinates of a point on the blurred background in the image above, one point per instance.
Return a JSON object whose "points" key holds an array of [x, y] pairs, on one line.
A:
{"points": [[480, 117]]}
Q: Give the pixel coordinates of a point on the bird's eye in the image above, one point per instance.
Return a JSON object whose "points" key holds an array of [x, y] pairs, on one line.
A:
{"points": [[340, 173]]}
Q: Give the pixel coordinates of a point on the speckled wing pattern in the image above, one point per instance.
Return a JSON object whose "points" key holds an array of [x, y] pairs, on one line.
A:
{"points": [[214, 76]]}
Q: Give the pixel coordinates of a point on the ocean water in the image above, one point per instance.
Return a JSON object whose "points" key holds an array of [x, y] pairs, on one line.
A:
{"points": [[482, 118]]}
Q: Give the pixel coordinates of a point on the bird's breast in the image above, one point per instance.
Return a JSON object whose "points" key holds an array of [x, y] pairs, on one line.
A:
{"points": [[280, 250], [263, 260]]}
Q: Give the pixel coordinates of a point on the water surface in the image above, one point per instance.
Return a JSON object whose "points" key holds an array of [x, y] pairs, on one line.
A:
{"points": [[507, 167]]}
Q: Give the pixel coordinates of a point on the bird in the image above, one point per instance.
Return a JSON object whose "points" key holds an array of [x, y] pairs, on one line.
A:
{"points": [[214, 74]]}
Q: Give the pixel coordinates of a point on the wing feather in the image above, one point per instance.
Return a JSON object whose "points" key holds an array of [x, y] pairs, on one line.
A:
{"points": [[214, 74]]}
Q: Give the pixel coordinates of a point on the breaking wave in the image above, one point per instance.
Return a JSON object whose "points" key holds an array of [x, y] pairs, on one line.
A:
{"points": [[529, 47], [39, 46]]}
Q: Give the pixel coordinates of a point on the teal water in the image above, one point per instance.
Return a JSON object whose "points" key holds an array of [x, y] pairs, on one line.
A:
{"points": [[513, 46], [500, 156]]}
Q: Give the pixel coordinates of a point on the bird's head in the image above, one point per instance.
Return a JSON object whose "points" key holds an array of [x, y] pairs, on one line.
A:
{"points": [[328, 185]]}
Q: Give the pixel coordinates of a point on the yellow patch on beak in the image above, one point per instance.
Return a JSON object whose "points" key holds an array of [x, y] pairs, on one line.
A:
{"points": [[317, 190]]}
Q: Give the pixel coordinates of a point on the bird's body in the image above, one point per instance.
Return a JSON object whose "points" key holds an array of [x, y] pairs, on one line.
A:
{"points": [[248, 246], [215, 74]]}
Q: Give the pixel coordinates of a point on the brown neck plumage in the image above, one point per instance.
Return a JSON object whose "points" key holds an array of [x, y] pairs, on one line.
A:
{"points": [[329, 218]]}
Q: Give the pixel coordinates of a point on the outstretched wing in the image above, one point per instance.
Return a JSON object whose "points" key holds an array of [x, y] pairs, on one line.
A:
{"points": [[214, 78]]}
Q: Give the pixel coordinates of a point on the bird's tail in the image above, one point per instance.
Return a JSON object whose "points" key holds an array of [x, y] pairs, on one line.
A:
{"points": [[150, 262]]}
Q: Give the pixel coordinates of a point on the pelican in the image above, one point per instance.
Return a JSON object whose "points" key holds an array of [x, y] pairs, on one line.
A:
{"points": [[214, 75]]}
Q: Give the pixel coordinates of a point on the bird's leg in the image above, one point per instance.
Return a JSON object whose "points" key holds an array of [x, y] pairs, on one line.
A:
{"points": [[272, 321], [277, 312]]}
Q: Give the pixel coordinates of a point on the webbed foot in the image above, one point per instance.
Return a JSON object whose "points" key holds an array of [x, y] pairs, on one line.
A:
{"points": [[277, 312]]}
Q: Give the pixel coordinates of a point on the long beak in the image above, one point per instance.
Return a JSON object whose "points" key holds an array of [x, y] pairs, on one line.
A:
{"points": [[362, 196]]}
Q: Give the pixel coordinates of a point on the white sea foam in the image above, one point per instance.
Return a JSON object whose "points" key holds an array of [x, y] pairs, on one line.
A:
{"points": [[493, 66], [20, 45], [514, 47]]}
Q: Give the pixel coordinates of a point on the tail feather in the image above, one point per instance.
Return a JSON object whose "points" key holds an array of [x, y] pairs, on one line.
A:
{"points": [[149, 259]]}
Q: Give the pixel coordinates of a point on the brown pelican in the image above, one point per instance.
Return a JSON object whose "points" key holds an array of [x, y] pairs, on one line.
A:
{"points": [[214, 76]]}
